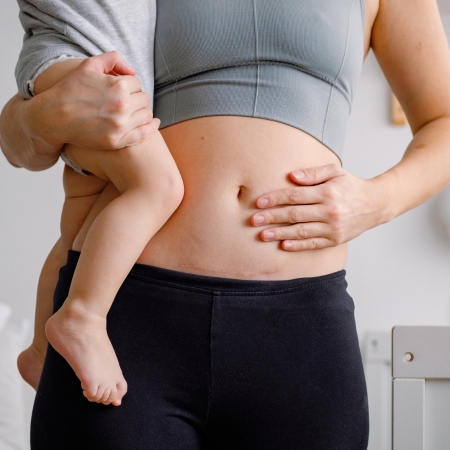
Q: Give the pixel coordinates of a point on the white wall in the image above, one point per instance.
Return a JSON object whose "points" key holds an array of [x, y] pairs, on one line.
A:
{"points": [[30, 202], [399, 272]]}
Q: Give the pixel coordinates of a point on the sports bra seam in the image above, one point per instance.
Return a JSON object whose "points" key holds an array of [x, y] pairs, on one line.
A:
{"points": [[340, 69], [163, 57], [256, 57], [269, 63], [174, 102], [363, 16]]}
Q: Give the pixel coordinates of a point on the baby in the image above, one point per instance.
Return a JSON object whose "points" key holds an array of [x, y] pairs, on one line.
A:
{"points": [[122, 198]]}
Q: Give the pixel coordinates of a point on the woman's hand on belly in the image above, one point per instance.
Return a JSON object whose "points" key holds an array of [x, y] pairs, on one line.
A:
{"points": [[330, 207]]}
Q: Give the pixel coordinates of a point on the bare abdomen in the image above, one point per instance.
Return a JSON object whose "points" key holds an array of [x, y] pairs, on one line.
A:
{"points": [[226, 163]]}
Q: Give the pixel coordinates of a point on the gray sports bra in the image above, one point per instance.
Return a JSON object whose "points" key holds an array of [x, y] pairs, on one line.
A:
{"points": [[292, 61]]}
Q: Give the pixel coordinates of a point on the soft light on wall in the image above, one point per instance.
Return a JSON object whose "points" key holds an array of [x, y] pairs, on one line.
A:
{"points": [[443, 207]]}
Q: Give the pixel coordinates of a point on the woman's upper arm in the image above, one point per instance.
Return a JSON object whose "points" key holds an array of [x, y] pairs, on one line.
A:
{"points": [[409, 42]]}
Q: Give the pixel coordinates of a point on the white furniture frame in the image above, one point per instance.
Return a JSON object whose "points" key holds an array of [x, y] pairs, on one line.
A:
{"points": [[377, 354], [421, 388]]}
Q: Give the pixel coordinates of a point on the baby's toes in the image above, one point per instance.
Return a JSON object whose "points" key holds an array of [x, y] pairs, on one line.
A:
{"points": [[105, 396], [122, 388], [92, 392], [99, 395], [112, 396], [121, 391]]}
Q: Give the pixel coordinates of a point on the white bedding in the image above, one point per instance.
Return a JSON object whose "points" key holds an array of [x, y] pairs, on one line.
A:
{"points": [[15, 395]]}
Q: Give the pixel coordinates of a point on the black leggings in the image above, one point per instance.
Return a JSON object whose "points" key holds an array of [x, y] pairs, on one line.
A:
{"points": [[216, 364]]}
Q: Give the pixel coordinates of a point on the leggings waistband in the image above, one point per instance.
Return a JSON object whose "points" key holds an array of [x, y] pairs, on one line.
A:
{"points": [[211, 283]]}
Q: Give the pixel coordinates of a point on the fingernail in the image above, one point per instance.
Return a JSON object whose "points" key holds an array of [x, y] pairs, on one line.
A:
{"points": [[299, 174], [262, 202], [258, 219], [269, 235], [288, 244]]}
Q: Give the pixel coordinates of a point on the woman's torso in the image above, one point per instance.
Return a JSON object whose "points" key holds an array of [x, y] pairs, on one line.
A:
{"points": [[227, 162]]}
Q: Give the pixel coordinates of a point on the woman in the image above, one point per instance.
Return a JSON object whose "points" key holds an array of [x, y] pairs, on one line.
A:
{"points": [[230, 337]]}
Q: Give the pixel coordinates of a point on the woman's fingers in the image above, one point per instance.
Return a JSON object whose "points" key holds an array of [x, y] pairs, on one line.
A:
{"points": [[345, 207], [290, 196], [316, 175], [138, 101], [90, 108], [289, 214], [306, 244], [138, 134], [311, 180], [110, 62], [97, 110], [133, 84], [141, 117], [297, 231], [301, 236]]}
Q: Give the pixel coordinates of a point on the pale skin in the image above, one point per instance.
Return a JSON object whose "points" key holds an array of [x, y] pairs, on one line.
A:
{"points": [[230, 163], [147, 190]]}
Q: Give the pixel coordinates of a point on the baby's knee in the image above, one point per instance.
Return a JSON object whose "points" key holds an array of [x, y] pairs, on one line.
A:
{"points": [[172, 189]]}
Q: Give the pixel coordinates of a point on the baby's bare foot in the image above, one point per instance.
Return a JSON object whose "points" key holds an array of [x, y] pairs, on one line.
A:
{"points": [[30, 363], [81, 338]]}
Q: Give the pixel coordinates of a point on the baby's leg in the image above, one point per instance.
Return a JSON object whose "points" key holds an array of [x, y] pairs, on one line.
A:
{"points": [[31, 360], [151, 189], [83, 195]]}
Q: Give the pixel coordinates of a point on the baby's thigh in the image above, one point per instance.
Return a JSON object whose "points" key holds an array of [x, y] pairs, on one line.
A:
{"points": [[148, 164], [81, 196], [102, 200]]}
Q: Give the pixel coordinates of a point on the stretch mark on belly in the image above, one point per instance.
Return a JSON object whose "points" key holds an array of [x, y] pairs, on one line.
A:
{"points": [[240, 273]]}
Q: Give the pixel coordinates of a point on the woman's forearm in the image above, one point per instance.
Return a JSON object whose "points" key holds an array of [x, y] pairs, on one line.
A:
{"points": [[423, 171], [331, 206], [29, 129], [21, 147]]}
